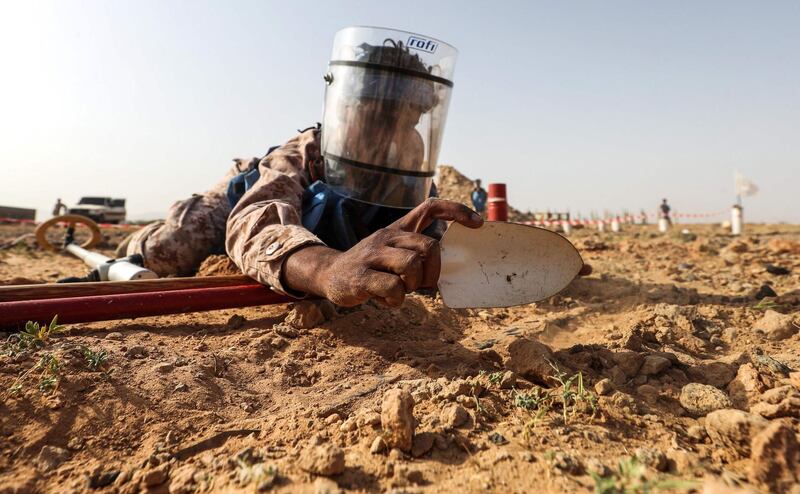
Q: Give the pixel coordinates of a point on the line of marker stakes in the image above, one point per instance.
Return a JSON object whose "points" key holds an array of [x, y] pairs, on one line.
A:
{"points": [[497, 210]]}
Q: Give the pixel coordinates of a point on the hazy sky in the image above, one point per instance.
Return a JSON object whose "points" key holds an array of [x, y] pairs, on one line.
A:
{"points": [[579, 105]]}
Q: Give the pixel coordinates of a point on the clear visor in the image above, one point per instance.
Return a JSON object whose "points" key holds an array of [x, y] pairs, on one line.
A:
{"points": [[385, 110]]}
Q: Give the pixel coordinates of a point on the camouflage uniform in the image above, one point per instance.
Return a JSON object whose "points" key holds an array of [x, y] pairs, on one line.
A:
{"points": [[263, 228]]}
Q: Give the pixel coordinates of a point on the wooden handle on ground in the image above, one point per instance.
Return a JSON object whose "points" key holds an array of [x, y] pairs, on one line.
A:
{"points": [[68, 290]]}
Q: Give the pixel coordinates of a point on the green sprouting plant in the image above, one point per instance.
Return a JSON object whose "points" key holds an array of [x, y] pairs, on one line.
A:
{"points": [[532, 400], [766, 305], [630, 479], [537, 402], [495, 378], [94, 360], [33, 336], [49, 375], [572, 393], [261, 477]]}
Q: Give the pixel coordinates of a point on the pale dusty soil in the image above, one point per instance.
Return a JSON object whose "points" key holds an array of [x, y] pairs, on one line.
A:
{"points": [[247, 369]]}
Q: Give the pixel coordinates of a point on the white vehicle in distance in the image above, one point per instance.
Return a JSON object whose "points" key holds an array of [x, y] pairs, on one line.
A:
{"points": [[100, 209]]}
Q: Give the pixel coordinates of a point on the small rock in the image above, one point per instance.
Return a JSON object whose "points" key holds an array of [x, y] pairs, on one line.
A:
{"points": [[734, 429], [746, 386], [75, 444], [684, 461], [324, 459], [115, 335], [697, 433], [604, 387], [654, 365], [136, 352], [154, 477], [395, 455], [123, 477], [775, 458], [508, 381], [700, 399], [378, 446], [502, 456], [498, 438], [738, 247], [278, 342], [236, 321], [454, 416], [597, 467], [325, 486], [778, 402], [405, 475], [440, 442], [397, 419], [777, 326], [653, 458], [305, 314], [247, 455], [368, 419], [333, 418], [765, 291], [648, 392], [349, 425], [628, 362], [182, 480], [777, 270], [422, 443], [730, 334], [527, 457], [783, 246], [51, 457], [717, 374], [454, 389], [163, 368], [530, 359], [567, 463], [101, 479], [181, 388]]}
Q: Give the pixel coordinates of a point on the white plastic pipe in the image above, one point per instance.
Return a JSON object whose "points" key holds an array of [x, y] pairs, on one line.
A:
{"points": [[601, 226], [615, 225], [566, 227], [663, 225], [737, 222], [115, 271]]}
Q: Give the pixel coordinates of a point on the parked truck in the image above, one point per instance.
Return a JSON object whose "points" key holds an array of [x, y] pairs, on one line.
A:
{"points": [[100, 209]]}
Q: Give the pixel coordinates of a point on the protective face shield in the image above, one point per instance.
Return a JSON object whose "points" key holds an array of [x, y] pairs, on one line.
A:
{"points": [[385, 109]]}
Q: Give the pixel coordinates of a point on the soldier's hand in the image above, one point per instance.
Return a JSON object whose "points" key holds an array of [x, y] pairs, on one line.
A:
{"points": [[385, 266]]}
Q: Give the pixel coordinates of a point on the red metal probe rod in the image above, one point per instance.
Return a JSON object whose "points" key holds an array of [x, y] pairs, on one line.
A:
{"points": [[13, 315]]}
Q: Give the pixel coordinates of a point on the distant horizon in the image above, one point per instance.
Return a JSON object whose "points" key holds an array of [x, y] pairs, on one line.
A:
{"points": [[576, 106]]}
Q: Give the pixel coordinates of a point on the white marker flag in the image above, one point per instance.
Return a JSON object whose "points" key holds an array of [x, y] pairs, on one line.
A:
{"points": [[744, 187]]}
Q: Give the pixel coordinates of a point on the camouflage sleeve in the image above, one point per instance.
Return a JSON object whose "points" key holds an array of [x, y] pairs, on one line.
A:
{"points": [[266, 224]]}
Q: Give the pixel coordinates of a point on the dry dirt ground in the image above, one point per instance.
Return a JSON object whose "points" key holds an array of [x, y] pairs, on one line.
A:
{"points": [[688, 373]]}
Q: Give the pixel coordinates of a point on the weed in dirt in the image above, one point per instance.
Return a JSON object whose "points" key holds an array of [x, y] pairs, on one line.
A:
{"points": [[49, 377], [765, 305], [261, 477], [94, 360], [495, 378], [630, 479], [573, 394], [532, 400], [33, 336]]}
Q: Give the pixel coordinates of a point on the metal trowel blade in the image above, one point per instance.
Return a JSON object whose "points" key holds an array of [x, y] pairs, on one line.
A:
{"points": [[504, 264]]}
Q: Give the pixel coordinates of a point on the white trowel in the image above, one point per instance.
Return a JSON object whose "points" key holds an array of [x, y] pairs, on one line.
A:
{"points": [[504, 264]]}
